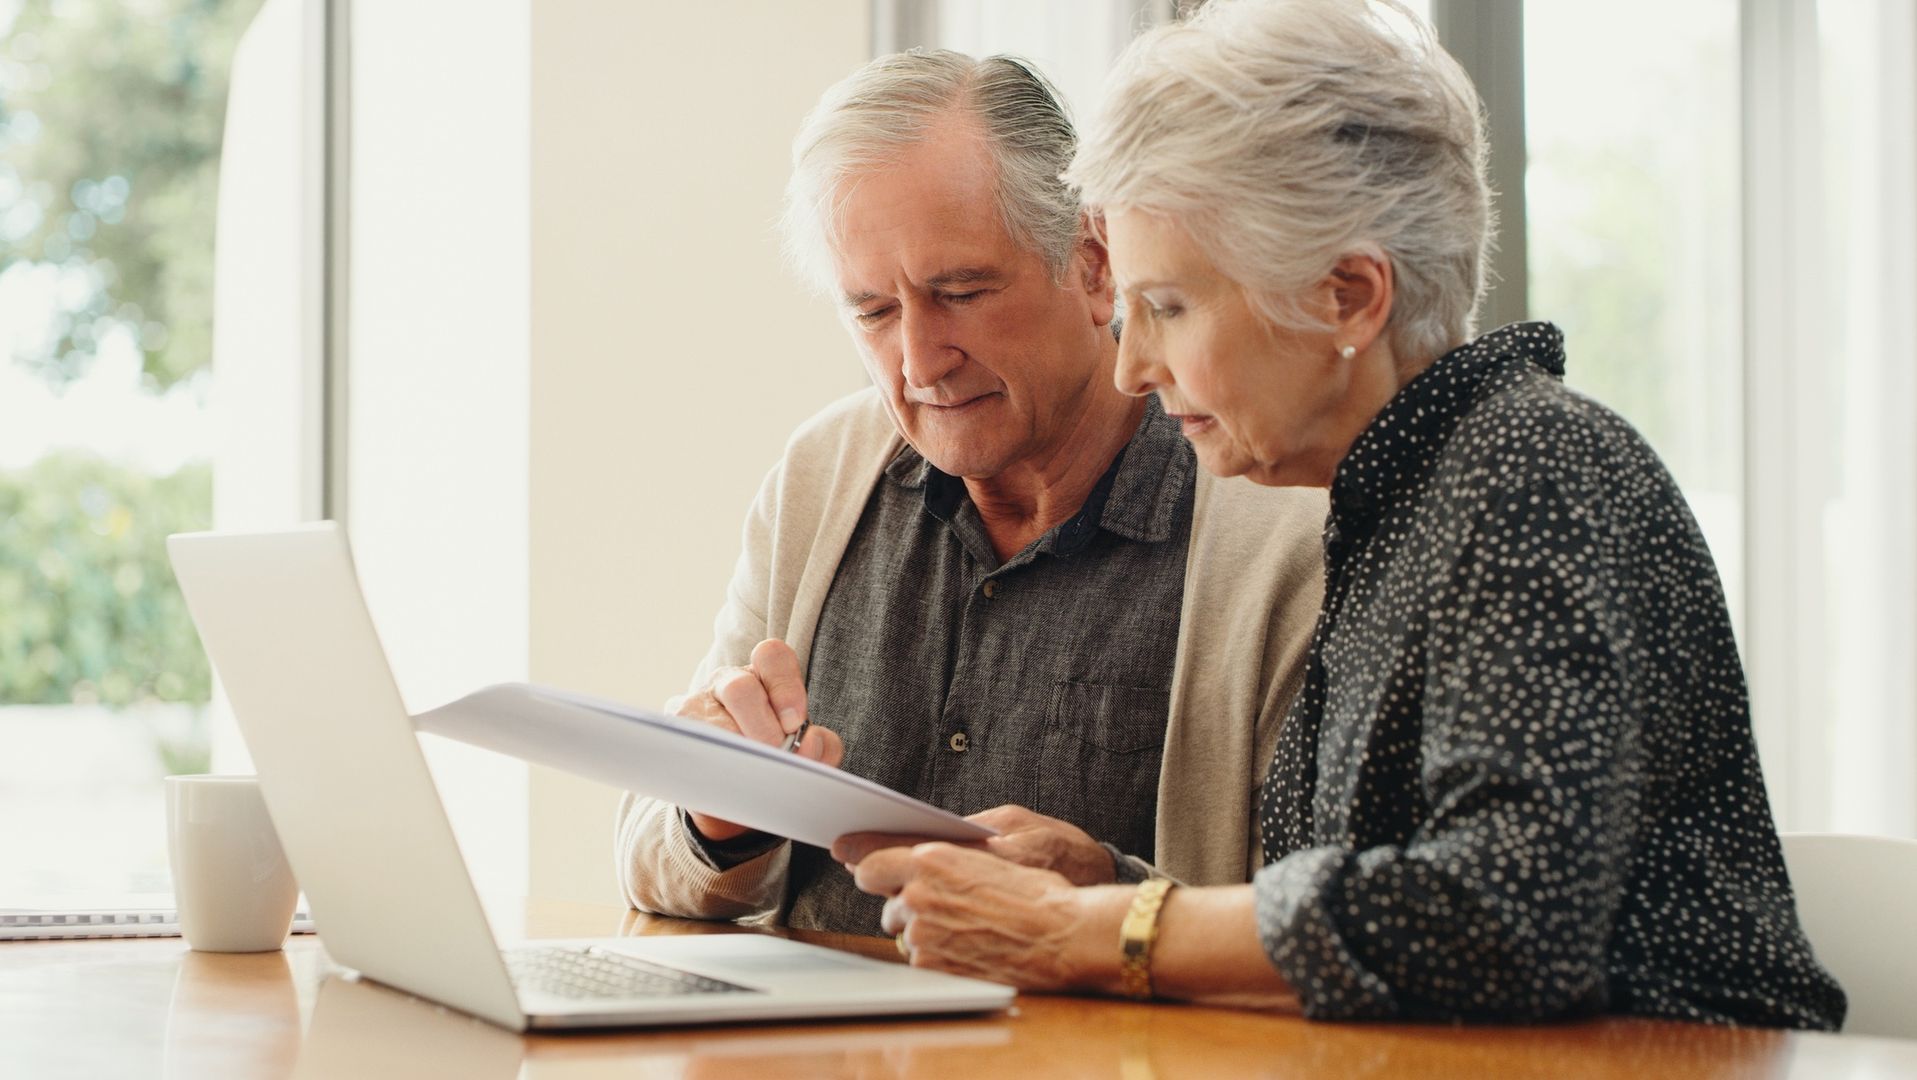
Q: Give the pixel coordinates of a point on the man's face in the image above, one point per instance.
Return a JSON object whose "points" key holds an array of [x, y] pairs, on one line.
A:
{"points": [[983, 361]]}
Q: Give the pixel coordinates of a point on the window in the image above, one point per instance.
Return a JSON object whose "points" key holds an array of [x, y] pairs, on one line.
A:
{"points": [[118, 428], [1848, 395], [1073, 43], [1633, 217], [1718, 213]]}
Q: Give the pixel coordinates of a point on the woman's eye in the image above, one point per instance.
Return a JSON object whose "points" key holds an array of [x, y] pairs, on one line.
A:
{"points": [[1160, 307]]}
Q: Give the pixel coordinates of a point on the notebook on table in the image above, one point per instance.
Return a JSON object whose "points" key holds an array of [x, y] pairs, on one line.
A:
{"points": [[88, 920]]}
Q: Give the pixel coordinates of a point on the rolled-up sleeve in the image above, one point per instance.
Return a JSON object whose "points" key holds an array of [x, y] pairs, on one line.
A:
{"points": [[665, 873]]}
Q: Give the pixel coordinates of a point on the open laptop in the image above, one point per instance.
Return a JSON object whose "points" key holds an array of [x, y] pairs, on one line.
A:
{"points": [[283, 619]]}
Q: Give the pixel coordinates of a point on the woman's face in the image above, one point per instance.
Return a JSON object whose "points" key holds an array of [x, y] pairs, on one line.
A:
{"points": [[1254, 399]]}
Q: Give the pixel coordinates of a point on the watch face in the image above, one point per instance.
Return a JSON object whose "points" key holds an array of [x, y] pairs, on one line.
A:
{"points": [[1136, 934], [1141, 923]]}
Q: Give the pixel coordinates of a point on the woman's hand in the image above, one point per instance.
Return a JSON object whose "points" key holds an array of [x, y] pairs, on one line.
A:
{"points": [[1025, 837], [965, 911]]}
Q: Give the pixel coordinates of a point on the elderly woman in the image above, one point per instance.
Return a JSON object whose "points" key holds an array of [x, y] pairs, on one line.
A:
{"points": [[1520, 780]]}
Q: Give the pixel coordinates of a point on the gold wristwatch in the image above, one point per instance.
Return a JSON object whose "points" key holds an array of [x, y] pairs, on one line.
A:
{"points": [[1136, 935]]}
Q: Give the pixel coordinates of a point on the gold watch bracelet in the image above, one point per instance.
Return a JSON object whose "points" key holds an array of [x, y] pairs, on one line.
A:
{"points": [[1137, 934]]}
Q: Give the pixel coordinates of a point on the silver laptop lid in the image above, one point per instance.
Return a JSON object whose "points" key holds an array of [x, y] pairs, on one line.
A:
{"points": [[282, 617]]}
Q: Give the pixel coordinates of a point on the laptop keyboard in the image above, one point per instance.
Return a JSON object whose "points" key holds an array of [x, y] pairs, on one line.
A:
{"points": [[573, 974]]}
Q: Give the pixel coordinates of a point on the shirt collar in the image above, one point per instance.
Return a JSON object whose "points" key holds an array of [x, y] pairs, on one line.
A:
{"points": [[1403, 441], [1136, 498]]}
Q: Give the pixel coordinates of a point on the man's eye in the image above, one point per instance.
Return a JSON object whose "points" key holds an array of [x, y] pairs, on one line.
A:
{"points": [[964, 297], [870, 317]]}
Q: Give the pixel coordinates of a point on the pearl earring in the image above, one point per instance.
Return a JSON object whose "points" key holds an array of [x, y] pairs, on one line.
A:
{"points": [[1348, 351]]}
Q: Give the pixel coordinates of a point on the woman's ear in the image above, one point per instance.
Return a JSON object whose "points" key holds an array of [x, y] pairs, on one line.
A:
{"points": [[1363, 288]]}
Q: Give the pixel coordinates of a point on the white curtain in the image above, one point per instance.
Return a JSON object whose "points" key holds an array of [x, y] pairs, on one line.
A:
{"points": [[1831, 466]]}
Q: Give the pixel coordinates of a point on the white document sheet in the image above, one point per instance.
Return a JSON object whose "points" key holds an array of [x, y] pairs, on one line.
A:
{"points": [[688, 763]]}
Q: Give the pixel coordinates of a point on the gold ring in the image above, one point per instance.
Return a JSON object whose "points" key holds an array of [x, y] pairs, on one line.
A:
{"points": [[904, 949]]}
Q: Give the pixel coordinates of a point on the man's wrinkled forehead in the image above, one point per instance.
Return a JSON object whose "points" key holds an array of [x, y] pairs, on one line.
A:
{"points": [[939, 194]]}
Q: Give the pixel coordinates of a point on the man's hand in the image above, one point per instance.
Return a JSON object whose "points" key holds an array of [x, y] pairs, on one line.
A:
{"points": [[765, 702], [1025, 837], [1032, 839]]}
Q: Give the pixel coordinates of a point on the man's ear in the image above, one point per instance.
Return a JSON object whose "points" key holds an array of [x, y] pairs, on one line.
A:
{"points": [[1363, 287], [1093, 264]]}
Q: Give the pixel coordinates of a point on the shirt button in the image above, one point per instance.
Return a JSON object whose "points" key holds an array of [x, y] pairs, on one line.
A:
{"points": [[990, 589], [958, 742]]}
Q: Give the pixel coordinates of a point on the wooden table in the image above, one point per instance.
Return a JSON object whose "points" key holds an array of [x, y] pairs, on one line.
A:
{"points": [[152, 1007]]}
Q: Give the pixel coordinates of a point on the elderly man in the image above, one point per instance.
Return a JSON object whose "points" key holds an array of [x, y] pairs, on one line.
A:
{"points": [[991, 581]]}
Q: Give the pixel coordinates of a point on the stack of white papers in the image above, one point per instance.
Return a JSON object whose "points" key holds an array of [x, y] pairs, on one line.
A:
{"points": [[688, 763]]}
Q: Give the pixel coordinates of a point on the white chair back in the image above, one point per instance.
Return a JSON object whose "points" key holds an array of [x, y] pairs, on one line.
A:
{"points": [[1857, 899]]}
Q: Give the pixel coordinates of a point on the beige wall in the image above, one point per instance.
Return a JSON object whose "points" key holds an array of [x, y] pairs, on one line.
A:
{"points": [[671, 352]]}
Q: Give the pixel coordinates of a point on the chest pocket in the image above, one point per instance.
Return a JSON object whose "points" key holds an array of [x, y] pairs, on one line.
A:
{"points": [[1098, 765]]}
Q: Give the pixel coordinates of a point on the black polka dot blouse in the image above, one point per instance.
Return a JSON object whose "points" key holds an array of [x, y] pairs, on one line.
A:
{"points": [[1520, 780]]}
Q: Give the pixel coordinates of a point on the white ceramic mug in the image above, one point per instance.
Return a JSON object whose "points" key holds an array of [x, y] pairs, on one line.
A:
{"points": [[231, 883]]}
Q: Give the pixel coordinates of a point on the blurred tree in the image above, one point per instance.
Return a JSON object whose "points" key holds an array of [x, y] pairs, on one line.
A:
{"points": [[1633, 242], [1602, 274], [89, 612], [111, 114]]}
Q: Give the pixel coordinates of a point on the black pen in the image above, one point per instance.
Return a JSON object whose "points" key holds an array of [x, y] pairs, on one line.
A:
{"points": [[792, 741]]}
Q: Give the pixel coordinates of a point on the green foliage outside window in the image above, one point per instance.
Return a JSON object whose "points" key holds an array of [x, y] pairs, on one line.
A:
{"points": [[89, 611], [111, 121]]}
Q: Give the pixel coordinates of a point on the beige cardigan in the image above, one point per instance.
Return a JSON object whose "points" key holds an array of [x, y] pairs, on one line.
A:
{"points": [[1253, 584]]}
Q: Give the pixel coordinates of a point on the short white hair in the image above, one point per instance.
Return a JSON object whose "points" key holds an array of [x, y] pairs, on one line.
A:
{"points": [[1285, 135], [869, 118]]}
